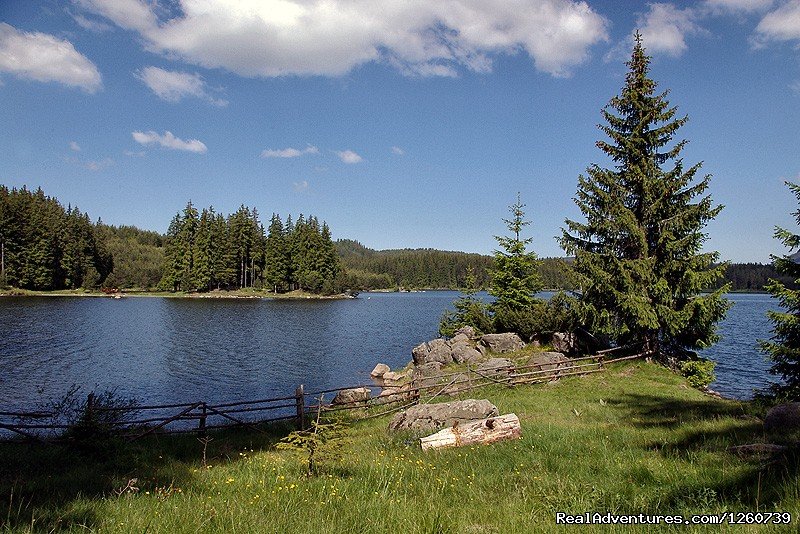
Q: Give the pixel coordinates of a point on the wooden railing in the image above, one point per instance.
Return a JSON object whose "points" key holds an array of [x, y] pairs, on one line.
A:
{"points": [[133, 421]]}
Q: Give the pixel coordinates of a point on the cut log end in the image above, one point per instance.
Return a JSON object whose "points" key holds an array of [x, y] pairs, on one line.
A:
{"points": [[484, 431]]}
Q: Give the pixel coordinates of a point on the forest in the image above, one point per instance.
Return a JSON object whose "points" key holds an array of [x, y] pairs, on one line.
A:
{"points": [[45, 246]]}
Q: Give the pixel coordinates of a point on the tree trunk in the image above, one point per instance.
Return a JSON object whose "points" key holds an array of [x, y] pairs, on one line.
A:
{"points": [[475, 432]]}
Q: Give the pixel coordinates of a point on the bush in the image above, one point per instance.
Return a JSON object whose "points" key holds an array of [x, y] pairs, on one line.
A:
{"points": [[699, 373], [469, 312], [556, 315]]}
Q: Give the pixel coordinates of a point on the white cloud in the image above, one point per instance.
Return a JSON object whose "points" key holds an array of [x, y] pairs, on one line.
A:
{"points": [[781, 24], [75, 147], [91, 25], [348, 156], [169, 141], [795, 86], [173, 85], [45, 58], [331, 37], [288, 152], [397, 150], [300, 186], [664, 28], [134, 153], [737, 6]]}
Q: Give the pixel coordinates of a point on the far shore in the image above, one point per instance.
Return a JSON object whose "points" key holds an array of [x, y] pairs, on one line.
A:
{"points": [[215, 294]]}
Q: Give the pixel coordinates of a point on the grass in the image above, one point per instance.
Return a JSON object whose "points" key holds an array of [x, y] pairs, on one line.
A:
{"points": [[632, 440]]}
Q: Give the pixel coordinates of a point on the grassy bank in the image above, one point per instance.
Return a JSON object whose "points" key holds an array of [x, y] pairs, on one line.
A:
{"points": [[634, 440]]}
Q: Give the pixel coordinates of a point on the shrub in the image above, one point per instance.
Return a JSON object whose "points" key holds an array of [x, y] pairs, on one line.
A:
{"points": [[469, 312], [699, 373]]}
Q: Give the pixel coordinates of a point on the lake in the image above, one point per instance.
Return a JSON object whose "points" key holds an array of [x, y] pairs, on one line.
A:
{"points": [[161, 350]]}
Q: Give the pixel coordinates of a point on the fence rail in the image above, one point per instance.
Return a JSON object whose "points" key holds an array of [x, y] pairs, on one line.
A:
{"points": [[135, 421]]}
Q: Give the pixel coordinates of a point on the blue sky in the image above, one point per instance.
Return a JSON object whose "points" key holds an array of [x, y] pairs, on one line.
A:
{"points": [[402, 124]]}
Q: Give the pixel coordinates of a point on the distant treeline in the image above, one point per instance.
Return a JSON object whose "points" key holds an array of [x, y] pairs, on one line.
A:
{"points": [[206, 250], [46, 246]]}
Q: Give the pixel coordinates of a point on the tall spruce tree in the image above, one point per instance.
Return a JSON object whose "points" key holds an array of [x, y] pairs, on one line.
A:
{"points": [[515, 275], [784, 348], [637, 256]]}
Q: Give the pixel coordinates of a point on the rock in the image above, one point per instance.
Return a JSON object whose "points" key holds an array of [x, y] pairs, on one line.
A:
{"points": [[351, 396], [380, 370], [420, 353], [459, 338], [482, 349], [395, 394], [467, 331], [427, 369], [562, 342], [440, 352], [783, 419], [429, 417], [547, 361], [464, 352], [394, 379], [496, 367], [502, 343]]}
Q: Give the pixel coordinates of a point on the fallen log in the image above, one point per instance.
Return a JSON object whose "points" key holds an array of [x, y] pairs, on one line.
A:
{"points": [[484, 432]]}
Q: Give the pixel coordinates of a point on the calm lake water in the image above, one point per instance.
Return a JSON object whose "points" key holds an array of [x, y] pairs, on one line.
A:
{"points": [[163, 350]]}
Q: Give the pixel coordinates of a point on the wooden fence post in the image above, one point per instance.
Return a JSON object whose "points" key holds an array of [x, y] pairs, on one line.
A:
{"points": [[90, 408], [301, 407], [202, 424]]}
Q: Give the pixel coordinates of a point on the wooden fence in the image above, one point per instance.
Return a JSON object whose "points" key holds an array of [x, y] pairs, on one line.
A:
{"points": [[133, 422]]}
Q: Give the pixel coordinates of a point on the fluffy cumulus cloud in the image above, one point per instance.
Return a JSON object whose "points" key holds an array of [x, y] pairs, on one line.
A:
{"points": [[398, 151], [168, 140], [45, 58], [172, 86], [331, 37], [74, 146], [288, 152], [665, 26], [781, 24], [348, 156]]}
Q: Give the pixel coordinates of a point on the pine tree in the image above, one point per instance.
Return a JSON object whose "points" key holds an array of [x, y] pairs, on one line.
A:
{"points": [[637, 256], [515, 275], [784, 348], [276, 256]]}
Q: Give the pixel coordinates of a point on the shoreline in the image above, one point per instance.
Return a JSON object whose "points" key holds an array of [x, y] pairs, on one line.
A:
{"points": [[226, 295]]}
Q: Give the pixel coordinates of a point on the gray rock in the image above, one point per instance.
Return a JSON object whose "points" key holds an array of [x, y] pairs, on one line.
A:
{"points": [[428, 369], [351, 396], [380, 370], [420, 353], [459, 338], [440, 352], [467, 331], [481, 349], [783, 419], [502, 343], [429, 417], [395, 394], [547, 361], [562, 342], [392, 378], [496, 367], [464, 352]]}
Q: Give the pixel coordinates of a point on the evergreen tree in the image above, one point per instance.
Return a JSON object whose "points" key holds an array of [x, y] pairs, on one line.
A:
{"points": [[276, 256], [515, 276], [784, 348], [637, 256]]}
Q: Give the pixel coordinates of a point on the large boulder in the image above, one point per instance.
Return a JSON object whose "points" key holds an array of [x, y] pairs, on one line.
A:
{"points": [[466, 331], [783, 420], [459, 338], [502, 343], [380, 370], [464, 352], [429, 417], [440, 352], [420, 353], [496, 367], [351, 396], [564, 342], [392, 378], [547, 361]]}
